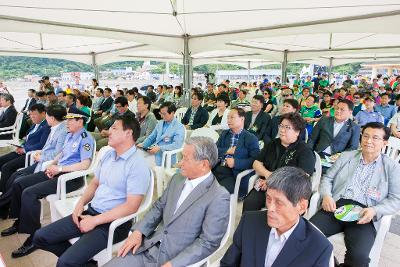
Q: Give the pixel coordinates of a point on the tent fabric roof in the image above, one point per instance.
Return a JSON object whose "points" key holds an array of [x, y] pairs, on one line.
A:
{"points": [[217, 30]]}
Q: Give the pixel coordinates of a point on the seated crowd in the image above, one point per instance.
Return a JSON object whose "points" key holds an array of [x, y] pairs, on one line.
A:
{"points": [[276, 130]]}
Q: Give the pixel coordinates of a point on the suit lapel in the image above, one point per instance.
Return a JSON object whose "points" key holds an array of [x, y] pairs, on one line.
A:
{"points": [[293, 246], [330, 126], [344, 128], [175, 194], [261, 245], [198, 192]]}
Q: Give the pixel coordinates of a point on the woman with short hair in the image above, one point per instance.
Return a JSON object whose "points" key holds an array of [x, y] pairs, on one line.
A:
{"points": [[286, 150]]}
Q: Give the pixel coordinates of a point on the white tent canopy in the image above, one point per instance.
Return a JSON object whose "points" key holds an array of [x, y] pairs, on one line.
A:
{"points": [[98, 32]]}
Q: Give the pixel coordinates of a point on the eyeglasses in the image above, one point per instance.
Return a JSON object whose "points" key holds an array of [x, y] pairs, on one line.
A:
{"points": [[285, 127], [374, 138]]}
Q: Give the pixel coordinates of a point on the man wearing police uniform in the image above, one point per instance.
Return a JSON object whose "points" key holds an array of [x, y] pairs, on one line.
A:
{"points": [[76, 155]]}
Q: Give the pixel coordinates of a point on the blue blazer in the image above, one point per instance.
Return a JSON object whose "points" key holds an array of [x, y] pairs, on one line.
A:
{"points": [[199, 120], [306, 246], [171, 139], [54, 145], [36, 140], [246, 151]]}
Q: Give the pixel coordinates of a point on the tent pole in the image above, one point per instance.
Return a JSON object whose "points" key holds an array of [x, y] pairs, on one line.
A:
{"points": [[284, 67], [187, 67], [330, 69], [95, 67], [248, 71]]}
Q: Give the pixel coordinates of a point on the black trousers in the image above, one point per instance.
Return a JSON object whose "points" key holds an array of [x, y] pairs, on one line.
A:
{"points": [[358, 238], [255, 200], [225, 177], [54, 238], [5, 198], [27, 192], [9, 163]]}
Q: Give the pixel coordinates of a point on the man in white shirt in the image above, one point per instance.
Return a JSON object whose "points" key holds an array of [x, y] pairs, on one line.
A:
{"points": [[279, 236], [187, 223]]}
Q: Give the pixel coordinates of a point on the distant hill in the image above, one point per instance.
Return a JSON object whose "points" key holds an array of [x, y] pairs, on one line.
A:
{"points": [[18, 67]]}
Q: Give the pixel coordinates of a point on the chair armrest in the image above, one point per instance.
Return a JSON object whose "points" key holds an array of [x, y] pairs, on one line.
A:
{"points": [[64, 178], [111, 231], [239, 177], [28, 158], [252, 182], [12, 127]]}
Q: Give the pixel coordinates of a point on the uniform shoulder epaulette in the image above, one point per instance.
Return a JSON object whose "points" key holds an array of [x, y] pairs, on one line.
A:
{"points": [[84, 134]]}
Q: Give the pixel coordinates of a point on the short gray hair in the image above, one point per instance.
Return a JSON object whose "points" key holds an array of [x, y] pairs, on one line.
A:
{"points": [[8, 97], [204, 149], [291, 181]]}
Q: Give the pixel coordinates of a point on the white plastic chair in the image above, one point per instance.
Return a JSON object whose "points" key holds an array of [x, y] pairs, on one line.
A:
{"points": [[231, 224], [61, 192], [207, 132], [339, 238], [166, 161], [65, 207], [393, 148], [14, 130], [180, 113]]}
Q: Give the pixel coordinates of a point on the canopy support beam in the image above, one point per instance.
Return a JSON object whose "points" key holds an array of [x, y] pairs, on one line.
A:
{"points": [[187, 66], [284, 66], [330, 69], [95, 67], [248, 71]]}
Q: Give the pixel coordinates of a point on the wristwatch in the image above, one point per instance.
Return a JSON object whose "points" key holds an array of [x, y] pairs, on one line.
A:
{"points": [[60, 169]]}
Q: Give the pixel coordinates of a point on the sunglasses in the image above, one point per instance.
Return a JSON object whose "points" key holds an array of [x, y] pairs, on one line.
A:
{"points": [[287, 95]]}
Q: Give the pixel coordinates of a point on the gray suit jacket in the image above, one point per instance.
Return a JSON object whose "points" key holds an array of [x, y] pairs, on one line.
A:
{"points": [[385, 180], [194, 231], [53, 145], [147, 126], [322, 136]]}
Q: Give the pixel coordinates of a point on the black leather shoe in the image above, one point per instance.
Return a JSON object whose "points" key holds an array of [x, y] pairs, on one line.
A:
{"points": [[10, 231], [23, 250]]}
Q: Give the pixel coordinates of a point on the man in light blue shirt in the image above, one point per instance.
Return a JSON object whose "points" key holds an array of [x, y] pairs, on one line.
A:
{"points": [[121, 180], [368, 115], [169, 134], [386, 110]]}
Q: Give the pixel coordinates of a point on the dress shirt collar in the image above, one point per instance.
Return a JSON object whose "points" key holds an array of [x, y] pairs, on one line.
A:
{"points": [[376, 160], [195, 182], [125, 155], [285, 236]]}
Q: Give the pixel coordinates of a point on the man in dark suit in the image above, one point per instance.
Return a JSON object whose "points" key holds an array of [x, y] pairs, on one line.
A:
{"points": [[35, 140], [279, 236], [107, 103], [29, 101], [25, 123], [196, 116], [9, 115], [237, 150], [256, 120], [289, 105], [336, 134]]}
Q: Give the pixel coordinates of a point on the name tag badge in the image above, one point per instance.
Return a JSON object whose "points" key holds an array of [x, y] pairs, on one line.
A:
{"points": [[374, 194], [167, 139]]}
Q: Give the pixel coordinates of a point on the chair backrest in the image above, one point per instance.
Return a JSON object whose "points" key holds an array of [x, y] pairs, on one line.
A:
{"points": [[180, 112], [207, 132], [97, 156], [316, 177], [392, 150], [146, 203], [17, 125]]}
